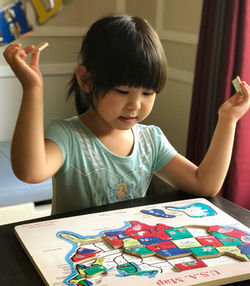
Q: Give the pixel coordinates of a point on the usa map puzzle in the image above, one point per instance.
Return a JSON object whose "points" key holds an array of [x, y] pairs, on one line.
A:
{"points": [[190, 242]]}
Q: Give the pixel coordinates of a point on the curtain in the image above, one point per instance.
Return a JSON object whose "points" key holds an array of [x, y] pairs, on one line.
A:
{"points": [[223, 53]]}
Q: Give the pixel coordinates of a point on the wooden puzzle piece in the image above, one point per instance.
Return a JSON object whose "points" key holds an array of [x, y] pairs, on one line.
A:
{"points": [[79, 240], [186, 243], [130, 242], [236, 83], [139, 230], [161, 246], [227, 240], [233, 251], [243, 236], [113, 241], [195, 210], [90, 271], [209, 240], [119, 234], [245, 249], [139, 250], [80, 281], [173, 253], [204, 252], [190, 265], [95, 270], [131, 268], [157, 213], [84, 254], [98, 261], [149, 240], [41, 46], [84, 282], [178, 233]]}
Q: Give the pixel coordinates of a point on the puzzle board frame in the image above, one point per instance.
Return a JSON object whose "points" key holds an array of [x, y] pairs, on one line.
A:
{"points": [[51, 255]]}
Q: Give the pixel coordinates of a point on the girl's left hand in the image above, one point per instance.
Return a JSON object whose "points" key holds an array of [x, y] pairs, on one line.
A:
{"points": [[237, 105]]}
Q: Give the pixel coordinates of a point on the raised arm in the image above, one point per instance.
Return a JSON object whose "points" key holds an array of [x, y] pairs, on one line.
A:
{"points": [[33, 159], [207, 179]]}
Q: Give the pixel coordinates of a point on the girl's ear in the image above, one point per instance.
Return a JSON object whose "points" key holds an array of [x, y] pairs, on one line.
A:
{"points": [[83, 78]]}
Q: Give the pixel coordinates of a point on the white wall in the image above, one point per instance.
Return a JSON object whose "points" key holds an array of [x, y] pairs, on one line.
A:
{"points": [[176, 21]]}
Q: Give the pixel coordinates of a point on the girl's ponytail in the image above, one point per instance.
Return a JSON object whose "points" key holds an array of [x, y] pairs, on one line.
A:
{"points": [[81, 103]]}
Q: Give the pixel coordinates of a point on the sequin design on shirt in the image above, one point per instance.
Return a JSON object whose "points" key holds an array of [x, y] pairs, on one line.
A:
{"points": [[121, 191]]}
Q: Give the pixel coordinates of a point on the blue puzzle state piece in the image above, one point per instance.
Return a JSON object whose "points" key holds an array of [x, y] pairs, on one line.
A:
{"points": [[245, 249], [157, 212], [85, 250], [173, 252], [119, 234], [150, 240]]}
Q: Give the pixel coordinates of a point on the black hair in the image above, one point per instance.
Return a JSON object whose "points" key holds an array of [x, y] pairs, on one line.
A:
{"points": [[119, 50]]}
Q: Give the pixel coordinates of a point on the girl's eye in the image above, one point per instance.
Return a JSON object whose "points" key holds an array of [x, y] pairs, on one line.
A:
{"points": [[147, 93], [121, 91]]}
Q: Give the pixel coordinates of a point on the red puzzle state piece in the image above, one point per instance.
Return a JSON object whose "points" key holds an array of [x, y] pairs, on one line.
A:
{"points": [[140, 230], [161, 246], [243, 236], [209, 240], [114, 241], [190, 265]]}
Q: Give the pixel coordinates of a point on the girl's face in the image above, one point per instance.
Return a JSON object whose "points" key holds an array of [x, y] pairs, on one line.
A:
{"points": [[122, 107]]}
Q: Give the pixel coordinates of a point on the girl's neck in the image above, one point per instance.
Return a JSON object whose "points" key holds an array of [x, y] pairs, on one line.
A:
{"points": [[98, 126], [111, 138]]}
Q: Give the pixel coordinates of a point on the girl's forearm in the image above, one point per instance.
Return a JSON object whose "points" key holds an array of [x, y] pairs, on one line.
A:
{"points": [[213, 169], [28, 151]]}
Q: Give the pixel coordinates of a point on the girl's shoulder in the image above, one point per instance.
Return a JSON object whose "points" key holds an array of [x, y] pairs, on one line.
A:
{"points": [[148, 129], [66, 123]]}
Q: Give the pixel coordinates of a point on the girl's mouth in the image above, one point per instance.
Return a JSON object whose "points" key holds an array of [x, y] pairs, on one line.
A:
{"points": [[127, 119]]}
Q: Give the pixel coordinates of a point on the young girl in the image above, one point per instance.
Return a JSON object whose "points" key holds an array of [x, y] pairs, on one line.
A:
{"points": [[104, 155]]}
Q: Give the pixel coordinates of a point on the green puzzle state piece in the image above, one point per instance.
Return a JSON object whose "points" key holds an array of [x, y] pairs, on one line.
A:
{"points": [[227, 240], [130, 269], [205, 252], [95, 270], [178, 233]]}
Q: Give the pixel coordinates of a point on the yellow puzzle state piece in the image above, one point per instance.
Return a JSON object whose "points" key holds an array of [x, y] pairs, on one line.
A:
{"points": [[129, 242], [186, 243], [232, 251]]}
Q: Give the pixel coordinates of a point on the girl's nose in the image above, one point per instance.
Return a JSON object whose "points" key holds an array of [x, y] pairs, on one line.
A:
{"points": [[134, 102]]}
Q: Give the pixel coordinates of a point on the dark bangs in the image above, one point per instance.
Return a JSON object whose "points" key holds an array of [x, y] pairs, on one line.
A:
{"points": [[128, 52]]}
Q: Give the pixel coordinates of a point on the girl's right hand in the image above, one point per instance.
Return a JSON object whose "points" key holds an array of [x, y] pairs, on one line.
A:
{"points": [[28, 74]]}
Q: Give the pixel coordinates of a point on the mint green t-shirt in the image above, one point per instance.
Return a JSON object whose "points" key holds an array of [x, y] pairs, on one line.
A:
{"points": [[91, 175]]}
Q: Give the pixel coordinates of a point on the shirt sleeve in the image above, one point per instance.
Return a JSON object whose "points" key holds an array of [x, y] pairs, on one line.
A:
{"points": [[58, 132], [164, 150]]}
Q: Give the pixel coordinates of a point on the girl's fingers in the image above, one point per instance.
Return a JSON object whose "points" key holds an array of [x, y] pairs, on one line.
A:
{"points": [[29, 49], [35, 59], [246, 90]]}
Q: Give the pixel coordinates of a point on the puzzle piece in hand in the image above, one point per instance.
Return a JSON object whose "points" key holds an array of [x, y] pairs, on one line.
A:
{"points": [[13, 23]]}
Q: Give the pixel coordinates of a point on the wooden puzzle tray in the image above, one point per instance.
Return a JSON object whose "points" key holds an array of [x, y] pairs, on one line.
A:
{"points": [[189, 242]]}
